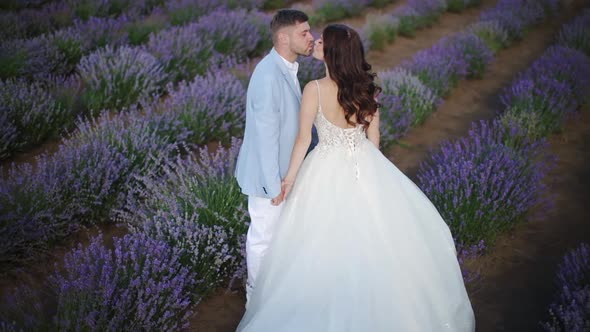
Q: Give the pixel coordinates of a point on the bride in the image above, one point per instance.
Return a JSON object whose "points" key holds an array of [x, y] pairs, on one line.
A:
{"points": [[358, 246]]}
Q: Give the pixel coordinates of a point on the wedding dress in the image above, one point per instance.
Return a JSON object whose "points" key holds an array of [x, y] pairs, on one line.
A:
{"points": [[358, 248]]}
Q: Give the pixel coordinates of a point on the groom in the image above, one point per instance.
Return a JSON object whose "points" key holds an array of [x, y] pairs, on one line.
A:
{"points": [[272, 121]]}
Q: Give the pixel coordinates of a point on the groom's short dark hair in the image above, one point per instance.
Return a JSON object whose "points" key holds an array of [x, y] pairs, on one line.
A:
{"points": [[286, 17]]}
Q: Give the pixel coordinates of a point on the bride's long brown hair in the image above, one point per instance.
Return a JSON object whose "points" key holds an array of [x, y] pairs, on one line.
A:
{"points": [[344, 55]]}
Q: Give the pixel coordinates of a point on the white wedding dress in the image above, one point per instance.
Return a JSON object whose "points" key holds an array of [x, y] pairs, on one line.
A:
{"points": [[358, 248]]}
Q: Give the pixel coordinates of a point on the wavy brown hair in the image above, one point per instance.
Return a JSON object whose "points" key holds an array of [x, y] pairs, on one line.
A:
{"points": [[344, 55]]}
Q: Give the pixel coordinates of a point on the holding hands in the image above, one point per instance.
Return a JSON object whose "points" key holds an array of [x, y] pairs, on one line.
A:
{"points": [[286, 186]]}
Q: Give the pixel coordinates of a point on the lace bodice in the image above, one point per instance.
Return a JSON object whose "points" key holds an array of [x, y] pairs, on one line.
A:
{"points": [[332, 137]]}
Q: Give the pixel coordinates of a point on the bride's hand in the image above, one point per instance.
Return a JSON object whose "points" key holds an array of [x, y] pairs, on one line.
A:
{"points": [[286, 186]]}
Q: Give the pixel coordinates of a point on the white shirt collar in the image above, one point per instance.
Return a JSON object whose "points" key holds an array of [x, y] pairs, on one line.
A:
{"points": [[292, 66]]}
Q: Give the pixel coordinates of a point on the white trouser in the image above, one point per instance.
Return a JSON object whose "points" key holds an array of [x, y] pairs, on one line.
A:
{"points": [[263, 219]]}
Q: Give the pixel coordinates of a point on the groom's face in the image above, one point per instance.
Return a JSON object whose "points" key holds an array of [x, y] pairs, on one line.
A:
{"points": [[301, 39]]}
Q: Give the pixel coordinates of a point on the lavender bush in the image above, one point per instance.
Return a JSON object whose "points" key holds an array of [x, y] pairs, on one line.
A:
{"points": [[408, 21], [515, 15], [310, 69], [24, 308], [24, 24], [577, 34], [552, 88], [571, 309], [238, 33], [138, 285], [42, 205], [116, 78], [144, 139], [331, 10], [439, 67], [417, 101], [13, 58], [474, 51], [30, 115], [379, 31], [429, 10], [183, 51], [84, 9], [484, 183], [97, 32], [195, 205], [140, 30], [395, 120], [211, 107], [56, 53], [60, 13], [185, 11], [492, 33]]}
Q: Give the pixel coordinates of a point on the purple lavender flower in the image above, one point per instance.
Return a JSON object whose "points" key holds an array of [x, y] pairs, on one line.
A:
{"points": [[145, 139], [515, 15], [56, 53], [30, 115], [24, 24], [330, 10], [474, 51], [409, 21], [416, 101], [552, 88], [236, 32], [571, 309], [24, 308], [310, 69], [142, 27], [44, 204], [97, 32], [211, 107], [575, 34], [185, 11], [484, 183], [379, 31], [140, 284], [183, 51], [395, 120], [428, 7], [13, 58], [195, 205], [439, 67], [492, 33], [116, 78]]}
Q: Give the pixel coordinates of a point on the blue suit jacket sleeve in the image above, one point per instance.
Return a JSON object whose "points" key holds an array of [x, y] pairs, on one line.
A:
{"points": [[265, 109]]}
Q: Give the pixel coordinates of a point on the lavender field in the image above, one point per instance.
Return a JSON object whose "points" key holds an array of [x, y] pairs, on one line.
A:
{"points": [[146, 100]]}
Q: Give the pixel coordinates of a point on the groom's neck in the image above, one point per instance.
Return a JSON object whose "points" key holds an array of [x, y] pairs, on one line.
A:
{"points": [[286, 53]]}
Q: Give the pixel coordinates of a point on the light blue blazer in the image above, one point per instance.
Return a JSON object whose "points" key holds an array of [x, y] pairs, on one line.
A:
{"points": [[272, 122]]}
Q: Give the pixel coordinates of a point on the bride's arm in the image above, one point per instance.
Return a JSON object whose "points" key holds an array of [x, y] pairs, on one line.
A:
{"points": [[307, 114], [373, 131]]}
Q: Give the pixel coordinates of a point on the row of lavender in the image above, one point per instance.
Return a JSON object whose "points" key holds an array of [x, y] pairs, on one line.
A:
{"points": [[405, 20], [49, 16], [111, 63], [412, 91], [485, 183], [116, 75]]}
